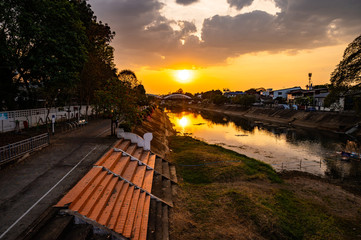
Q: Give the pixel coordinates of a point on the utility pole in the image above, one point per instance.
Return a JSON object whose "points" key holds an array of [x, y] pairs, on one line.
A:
{"points": [[309, 81]]}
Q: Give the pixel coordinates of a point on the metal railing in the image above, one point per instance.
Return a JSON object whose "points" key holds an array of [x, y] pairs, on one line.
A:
{"points": [[18, 149]]}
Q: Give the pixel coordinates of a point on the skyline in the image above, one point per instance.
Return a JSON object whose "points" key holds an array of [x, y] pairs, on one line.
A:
{"points": [[235, 44]]}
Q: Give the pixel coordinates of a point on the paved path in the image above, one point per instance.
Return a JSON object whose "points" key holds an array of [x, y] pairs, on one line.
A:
{"points": [[28, 188]]}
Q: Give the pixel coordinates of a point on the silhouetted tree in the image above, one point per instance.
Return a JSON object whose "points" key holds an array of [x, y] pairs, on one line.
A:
{"points": [[346, 78]]}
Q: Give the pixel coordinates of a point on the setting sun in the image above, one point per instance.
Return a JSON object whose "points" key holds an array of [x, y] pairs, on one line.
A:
{"points": [[184, 76]]}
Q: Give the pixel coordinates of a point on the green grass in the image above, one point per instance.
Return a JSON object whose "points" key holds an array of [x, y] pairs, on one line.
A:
{"points": [[202, 163], [217, 186]]}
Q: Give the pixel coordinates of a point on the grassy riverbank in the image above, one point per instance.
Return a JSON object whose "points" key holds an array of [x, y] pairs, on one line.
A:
{"points": [[225, 195]]}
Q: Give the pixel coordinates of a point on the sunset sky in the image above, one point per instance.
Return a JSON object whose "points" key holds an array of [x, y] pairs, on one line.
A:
{"points": [[235, 44]]}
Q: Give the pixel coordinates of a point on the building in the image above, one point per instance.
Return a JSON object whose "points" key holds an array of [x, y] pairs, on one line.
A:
{"points": [[233, 94], [282, 92]]}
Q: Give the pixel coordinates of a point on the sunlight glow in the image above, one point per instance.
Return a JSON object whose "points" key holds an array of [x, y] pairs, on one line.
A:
{"points": [[184, 76], [183, 122]]}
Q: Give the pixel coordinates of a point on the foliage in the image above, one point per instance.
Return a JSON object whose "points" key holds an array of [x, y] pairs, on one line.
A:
{"points": [[99, 66], [129, 78], [304, 101], [211, 94], [244, 100], [44, 41], [219, 99], [348, 71], [119, 101], [346, 78]]}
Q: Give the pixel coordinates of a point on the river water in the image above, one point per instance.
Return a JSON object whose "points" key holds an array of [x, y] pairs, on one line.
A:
{"points": [[283, 147]]}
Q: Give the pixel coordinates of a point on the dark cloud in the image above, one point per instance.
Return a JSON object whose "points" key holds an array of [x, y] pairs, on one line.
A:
{"points": [[186, 2], [145, 37], [239, 4]]}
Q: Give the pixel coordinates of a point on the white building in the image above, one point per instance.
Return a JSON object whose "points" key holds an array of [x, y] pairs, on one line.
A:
{"points": [[283, 92]]}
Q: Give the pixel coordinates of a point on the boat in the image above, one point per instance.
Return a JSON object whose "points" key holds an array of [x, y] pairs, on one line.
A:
{"points": [[346, 156]]}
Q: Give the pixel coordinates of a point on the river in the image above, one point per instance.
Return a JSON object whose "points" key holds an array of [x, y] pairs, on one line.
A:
{"points": [[283, 147]]}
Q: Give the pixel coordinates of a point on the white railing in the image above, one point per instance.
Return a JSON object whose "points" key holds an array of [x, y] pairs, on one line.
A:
{"points": [[16, 150]]}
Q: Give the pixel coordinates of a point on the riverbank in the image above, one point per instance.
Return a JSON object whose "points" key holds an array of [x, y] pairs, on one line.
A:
{"points": [[225, 195], [326, 121]]}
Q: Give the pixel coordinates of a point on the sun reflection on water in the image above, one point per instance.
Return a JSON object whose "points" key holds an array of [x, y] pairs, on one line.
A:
{"points": [[183, 122]]}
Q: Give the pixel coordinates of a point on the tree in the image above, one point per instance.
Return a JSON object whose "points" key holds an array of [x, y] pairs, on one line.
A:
{"points": [[244, 100], [179, 91], [99, 66], [44, 43], [129, 77], [348, 72], [120, 99], [346, 78]]}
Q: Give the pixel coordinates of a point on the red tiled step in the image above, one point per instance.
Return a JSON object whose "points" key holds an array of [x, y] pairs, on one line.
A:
{"points": [[114, 200], [116, 210], [138, 197], [78, 205], [76, 192], [130, 170], [144, 225], [108, 153], [138, 177], [145, 156], [99, 206], [131, 149], [148, 180], [119, 226], [96, 196], [138, 152], [124, 145], [134, 220], [151, 161], [112, 160], [121, 165]]}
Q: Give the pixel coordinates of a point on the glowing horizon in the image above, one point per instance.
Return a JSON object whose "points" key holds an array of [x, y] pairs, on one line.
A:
{"points": [[229, 44]]}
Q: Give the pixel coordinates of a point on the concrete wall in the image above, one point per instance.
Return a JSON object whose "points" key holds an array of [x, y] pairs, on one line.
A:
{"points": [[38, 116]]}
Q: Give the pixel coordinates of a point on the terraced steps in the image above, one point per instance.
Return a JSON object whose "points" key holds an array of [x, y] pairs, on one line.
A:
{"points": [[118, 193], [158, 221]]}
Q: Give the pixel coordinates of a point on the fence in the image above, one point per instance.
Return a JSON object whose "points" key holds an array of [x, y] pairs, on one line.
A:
{"points": [[18, 149], [35, 117]]}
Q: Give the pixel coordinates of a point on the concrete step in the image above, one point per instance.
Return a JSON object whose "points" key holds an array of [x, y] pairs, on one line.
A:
{"points": [[38, 224], [78, 232], [159, 222], [167, 191], [158, 165], [165, 169], [173, 173], [55, 228], [157, 186], [165, 223], [152, 220]]}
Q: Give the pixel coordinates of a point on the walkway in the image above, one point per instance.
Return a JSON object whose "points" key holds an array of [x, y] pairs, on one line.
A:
{"points": [[28, 188]]}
